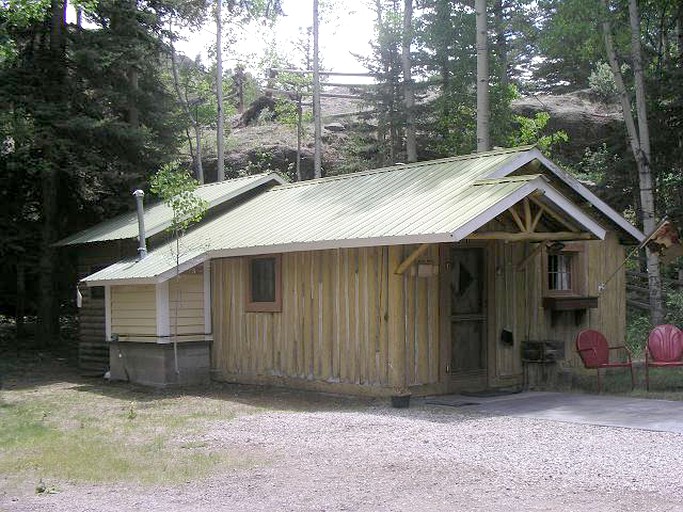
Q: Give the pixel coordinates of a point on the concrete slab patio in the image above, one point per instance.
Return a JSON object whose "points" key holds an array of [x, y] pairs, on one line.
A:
{"points": [[611, 411]]}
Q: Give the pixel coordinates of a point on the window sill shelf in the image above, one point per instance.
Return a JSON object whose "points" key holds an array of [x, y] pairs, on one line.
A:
{"points": [[578, 304], [570, 303]]}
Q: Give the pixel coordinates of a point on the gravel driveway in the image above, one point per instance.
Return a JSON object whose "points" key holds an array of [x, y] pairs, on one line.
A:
{"points": [[423, 458]]}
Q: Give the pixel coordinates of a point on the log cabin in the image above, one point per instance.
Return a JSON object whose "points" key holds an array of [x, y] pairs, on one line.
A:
{"points": [[433, 277]]}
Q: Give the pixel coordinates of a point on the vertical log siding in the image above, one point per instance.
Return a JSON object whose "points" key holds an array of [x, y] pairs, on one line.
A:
{"points": [[346, 318]]}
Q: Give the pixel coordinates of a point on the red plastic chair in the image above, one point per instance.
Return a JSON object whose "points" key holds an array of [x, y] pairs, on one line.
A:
{"points": [[594, 350], [664, 349]]}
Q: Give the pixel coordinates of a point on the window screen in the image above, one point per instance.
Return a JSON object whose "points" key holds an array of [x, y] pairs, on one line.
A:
{"points": [[560, 272], [263, 280]]}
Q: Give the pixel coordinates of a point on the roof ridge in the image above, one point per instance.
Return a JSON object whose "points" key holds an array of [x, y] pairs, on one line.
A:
{"points": [[507, 179], [402, 166], [216, 183]]}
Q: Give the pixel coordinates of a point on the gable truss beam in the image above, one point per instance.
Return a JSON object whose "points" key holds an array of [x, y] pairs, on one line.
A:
{"points": [[554, 215], [531, 237], [528, 222]]}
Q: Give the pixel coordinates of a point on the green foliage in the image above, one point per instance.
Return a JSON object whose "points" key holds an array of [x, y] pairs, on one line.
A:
{"points": [[18, 15], [569, 41], [176, 188], [601, 82], [674, 307], [638, 328], [261, 161], [595, 164], [531, 132]]}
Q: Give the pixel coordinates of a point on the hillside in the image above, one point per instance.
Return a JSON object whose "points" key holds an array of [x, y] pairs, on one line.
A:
{"points": [[349, 134]]}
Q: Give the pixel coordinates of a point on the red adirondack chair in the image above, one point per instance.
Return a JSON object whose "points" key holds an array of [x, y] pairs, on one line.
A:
{"points": [[664, 349], [594, 350]]}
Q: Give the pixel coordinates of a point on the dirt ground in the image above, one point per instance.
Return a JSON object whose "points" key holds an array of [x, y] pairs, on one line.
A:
{"points": [[306, 451]]}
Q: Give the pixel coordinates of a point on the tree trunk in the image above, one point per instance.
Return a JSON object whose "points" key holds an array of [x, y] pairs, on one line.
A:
{"points": [[20, 307], [317, 120], [48, 315], [408, 92], [647, 199], [199, 168], [299, 133], [679, 34], [483, 141], [382, 125], [239, 79], [134, 86], [220, 130], [639, 141], [501, 42]]}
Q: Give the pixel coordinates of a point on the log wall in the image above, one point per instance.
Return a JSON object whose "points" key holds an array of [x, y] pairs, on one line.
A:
{"points": [[347, 319], [93, 351], [93, 257], [516, 304]]}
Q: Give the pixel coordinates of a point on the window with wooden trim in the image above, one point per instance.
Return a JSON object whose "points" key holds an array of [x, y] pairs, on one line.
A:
{"points": [[264, 284], [560, 272], [564, 269]]}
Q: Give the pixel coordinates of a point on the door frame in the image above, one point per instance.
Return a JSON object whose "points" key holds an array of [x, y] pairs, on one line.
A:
{"points": [[465, 380]]}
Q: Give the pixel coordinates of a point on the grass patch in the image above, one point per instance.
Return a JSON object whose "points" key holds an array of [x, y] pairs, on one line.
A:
{"points": [[665, 383], [61, 432]]}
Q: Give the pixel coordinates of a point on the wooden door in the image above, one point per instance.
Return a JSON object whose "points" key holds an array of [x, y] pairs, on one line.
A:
{"points": [[468, 313]]}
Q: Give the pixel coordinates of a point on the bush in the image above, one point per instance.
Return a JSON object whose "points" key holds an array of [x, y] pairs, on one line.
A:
{"points": [[674, 308], [601, 82], [638, 328]]}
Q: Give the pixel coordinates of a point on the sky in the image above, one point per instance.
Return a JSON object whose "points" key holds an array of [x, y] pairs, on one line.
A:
{"points": [[348, 29]]}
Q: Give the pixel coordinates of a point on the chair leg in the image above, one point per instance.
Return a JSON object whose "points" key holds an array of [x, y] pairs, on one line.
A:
{"points": [[647, 376], [633, 378], [597, 371]]}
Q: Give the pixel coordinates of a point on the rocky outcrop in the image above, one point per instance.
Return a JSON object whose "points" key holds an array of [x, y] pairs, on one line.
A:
{"points": [[349, 140], [586, 120]]}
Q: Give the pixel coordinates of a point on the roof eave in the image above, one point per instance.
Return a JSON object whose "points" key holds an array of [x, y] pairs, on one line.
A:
{"points": [[153, 230], [574, 184], [536, 184]]}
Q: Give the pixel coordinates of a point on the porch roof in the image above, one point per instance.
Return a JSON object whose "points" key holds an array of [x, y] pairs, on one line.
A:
{"points": [[426, 202], [159, 216]]}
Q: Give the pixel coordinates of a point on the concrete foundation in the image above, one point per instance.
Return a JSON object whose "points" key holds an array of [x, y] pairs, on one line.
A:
{"points": [[153, 364]]}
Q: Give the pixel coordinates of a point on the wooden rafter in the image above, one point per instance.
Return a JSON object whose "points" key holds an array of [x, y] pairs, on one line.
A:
{"points": [[516, 218], [411, 259], [537, 218], [527, 215], [554, 215], [527, 221]]}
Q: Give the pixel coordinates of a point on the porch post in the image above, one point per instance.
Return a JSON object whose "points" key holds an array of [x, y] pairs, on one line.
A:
{"points": [[208, 329], [107, 312]]}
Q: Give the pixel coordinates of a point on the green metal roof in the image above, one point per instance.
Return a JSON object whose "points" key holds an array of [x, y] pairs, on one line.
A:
{"points": [[438, 201], [159, 216]]}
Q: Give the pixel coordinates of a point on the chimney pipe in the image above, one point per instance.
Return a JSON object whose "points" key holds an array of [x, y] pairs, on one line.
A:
{"points": [[142, 249]]}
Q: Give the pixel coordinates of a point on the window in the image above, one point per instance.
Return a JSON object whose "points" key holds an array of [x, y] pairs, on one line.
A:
{"points": [[559, 272], [263, 287], [564, 268]]}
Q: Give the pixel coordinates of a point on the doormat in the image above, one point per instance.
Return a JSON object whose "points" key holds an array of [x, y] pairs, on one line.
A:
{"points": [[450, 402], [490, 393]]}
